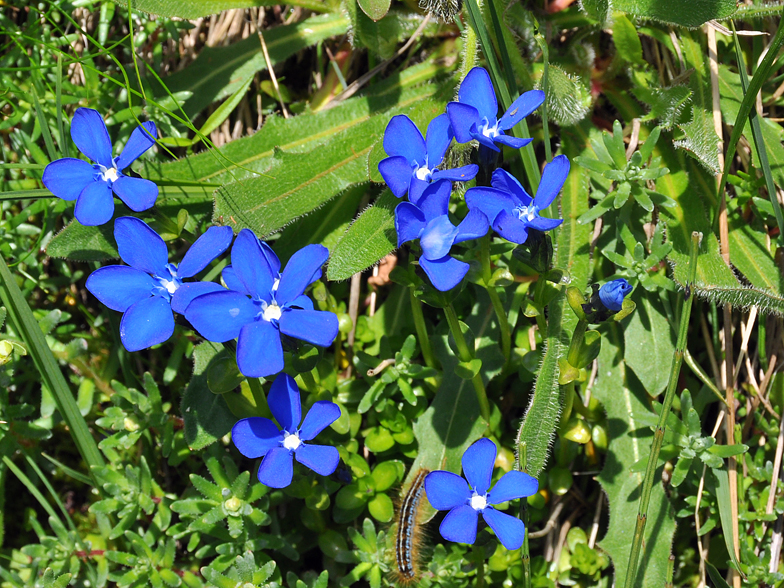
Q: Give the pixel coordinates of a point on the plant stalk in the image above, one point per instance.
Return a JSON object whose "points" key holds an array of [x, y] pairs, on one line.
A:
{"points": [[522, 460], [421, 329], [498, 307], [465, 355], [658, 437]]}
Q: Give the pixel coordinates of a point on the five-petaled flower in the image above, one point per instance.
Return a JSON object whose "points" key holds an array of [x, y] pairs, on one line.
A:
{"points": [[474, 115], [264, 303], [91, 185], [511, 211], [413, 161], [613, 292], [259, 437], [429, 222], [448, 491], [149, 287]]}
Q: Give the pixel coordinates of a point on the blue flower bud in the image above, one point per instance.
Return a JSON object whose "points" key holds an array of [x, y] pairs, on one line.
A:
{"points": [[613, 293]]}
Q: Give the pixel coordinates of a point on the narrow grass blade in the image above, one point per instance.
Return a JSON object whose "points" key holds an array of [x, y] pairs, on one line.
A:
{"points": [[65, 148], [39, 113], [78, 476], [22, 317], [34, 492], [725, 510]]}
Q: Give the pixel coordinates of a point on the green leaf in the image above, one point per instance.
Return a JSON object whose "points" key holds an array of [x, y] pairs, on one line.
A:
{"points": [[567, 99], [685, 14], [649, 329], [193, 9], [666, 104], [625, 400], [750, 255], [206, 416], [218, 71], [300, 183], [369, 238], [723, 501], [627, 42], [598, 10], [375, 9]]}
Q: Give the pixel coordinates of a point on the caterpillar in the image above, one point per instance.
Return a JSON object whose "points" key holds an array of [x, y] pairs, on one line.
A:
{"points": [[409, 531]]}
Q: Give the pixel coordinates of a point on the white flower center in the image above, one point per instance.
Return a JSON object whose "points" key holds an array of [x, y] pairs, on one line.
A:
{"points": [[479, 502], [489, 131], [291, 442], [526, 213], [170, 285], [271, 312], [275, 284], [423, 173], [109, 174]]}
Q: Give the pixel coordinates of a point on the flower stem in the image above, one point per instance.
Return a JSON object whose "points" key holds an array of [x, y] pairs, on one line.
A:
{"points": [[479, 560], [658, 436], [309, 381], [522, 460], [465, 355], [500, 313], [258, 395], [421, 329]]}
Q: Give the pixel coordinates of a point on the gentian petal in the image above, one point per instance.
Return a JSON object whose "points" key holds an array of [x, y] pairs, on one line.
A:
{"points": [[553, 178], [489, 200], [277, 468], [255, 436], [511, 141], [94, 205], [437, 238], [439, 136], [541, 223], [484, 141], [302, 302], [478, 461], [259, 351], [457, 174], [137, 193], [300, 272], [510, 227], [402, 137], [444, 273], [612, 293], [187, 293], [272, 259], [446, 490], [520, 108], [397, 173], [409, 222], [210, 245], [120, 286], [322, 459], [67, 177], [219, 316], [509, 530], [462, 117], [319, 327], [435, 200], [89, 133], [503, 180], [477, 90], [251, 266], [232, 281], [473, 226], [416, 188], [140, 246], [139, 142], [146, 323], [459, 525], [321, 415], [513, 485], [283, 400]]}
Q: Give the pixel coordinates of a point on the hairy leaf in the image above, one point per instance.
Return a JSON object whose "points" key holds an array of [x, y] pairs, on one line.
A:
{"points": [[193, 9], [685, 14], [649, 329]]}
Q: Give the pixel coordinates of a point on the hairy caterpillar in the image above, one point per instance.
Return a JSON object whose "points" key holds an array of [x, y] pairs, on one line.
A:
{"points": [[408, 539]]}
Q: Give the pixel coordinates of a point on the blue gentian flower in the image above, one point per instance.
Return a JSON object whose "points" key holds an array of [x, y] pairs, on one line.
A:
{"points": [[149, 288], [260, 437], [264, 303], [448, 491], [474, 115], [613, 292], [413, 161], [91, 185], [511, 211], [429, 222]]}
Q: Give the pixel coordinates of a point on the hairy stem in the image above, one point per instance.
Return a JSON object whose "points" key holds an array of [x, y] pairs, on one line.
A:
{"points": [[465, 355], [498, 307], [421, 329]]}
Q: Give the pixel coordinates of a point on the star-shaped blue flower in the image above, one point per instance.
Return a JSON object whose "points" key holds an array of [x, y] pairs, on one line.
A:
{"points": [[260, 437], [474, 115], [413, 161], [613, 292], [429, 222], [264, 303], [91, 185], [448, 491], [149, 288], [511, 211]]}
